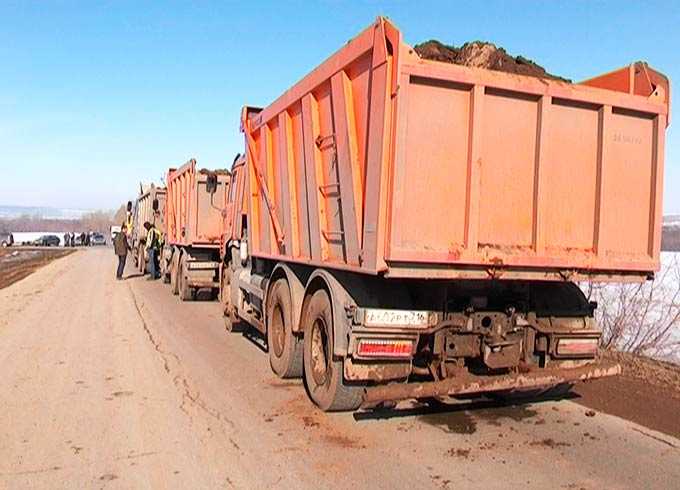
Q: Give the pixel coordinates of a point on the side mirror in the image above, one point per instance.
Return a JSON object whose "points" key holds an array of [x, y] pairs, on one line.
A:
{"points": [[155, 205], [129, 206], [211, 183]]}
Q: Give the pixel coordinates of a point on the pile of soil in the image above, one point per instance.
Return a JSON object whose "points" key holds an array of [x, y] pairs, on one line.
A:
{"points": [[480, 54], [659, 373]]}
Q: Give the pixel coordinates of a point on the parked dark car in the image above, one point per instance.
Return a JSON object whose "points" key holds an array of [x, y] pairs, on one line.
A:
{"points": [[6, 239], [97, 239], [47, 241]]}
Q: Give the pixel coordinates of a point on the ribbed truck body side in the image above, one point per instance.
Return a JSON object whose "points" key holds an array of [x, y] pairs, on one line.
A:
{"points": [[381, 162]]}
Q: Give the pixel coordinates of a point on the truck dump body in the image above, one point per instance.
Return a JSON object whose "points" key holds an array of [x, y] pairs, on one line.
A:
{"points": [[150, 206], [193, 214], [145, 211], [381, 162]]}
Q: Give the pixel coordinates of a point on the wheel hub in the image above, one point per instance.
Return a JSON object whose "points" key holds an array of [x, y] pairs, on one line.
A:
{"points": [[278, 330], [319, 352]]}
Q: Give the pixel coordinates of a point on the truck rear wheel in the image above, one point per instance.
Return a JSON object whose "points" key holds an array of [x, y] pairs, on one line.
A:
{"points": [[141, 259], [231, 319], [185, 293], [323, 372], [165, 267], [174, 272], [285, 348]]}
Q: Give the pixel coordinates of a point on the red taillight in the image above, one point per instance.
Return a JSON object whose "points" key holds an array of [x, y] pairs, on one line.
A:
{"points": [[577, 347], [385, 348]]}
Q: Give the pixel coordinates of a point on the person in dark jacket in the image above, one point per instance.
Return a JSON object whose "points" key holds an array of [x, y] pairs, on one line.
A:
{"points": [[121, 248], [66, 237]]}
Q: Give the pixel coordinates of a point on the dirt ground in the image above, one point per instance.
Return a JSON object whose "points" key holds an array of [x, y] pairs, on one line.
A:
{"points": [[648, 393], [480, 54], [119, 384], [19, 262]]}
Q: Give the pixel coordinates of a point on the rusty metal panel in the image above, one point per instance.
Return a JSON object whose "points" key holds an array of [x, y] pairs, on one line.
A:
{"points": [[507, 171], [297, 176], [194, 216], [379, 161], [571, 177], [432, 175], [627, 184]]}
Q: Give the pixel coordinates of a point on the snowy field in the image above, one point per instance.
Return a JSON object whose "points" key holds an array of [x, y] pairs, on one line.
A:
{"points": [[642, 318], [25, 237]]}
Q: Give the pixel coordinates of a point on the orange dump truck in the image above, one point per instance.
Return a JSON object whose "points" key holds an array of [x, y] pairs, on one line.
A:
{"points": [[404, 228], [191, 254]]}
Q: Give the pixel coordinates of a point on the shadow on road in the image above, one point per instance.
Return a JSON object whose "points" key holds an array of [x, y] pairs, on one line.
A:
{"points": [[485, 408], [254, 336], [133, 276]]}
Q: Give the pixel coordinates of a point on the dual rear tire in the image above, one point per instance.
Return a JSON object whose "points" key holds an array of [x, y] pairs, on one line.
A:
{"points": [[231, 319], [311, 356], [141, 259], [179, 284], [186, 293], [285, 347], [174, 272]]}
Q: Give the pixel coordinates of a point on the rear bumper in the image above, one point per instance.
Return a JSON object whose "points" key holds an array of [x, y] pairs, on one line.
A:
{"points": [[203, 283], [480, 384], [202, 274]]}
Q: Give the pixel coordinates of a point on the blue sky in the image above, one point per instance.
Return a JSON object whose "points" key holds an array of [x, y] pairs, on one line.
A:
{"points": [[98, 96]]}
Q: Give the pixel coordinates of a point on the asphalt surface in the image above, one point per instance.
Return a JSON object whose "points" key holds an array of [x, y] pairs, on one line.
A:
{"points": [[118, 384]]}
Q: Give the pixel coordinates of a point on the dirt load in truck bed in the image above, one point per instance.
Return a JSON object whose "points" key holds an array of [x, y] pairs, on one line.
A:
{"points": [[480, 54]]}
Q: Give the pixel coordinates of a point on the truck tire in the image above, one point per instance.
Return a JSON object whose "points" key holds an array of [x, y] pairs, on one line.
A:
{"points": [[165, 268], [324, 373], [174, 272], [185, 293], [285, 348], [232, 323], [141, 259]]}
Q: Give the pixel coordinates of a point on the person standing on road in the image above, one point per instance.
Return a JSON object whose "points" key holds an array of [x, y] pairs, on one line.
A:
{"points": [[151, 248], [66, 237], [121, 248], [72, 241]]}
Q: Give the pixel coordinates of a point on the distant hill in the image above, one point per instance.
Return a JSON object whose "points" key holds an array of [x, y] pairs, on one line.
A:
{"points": [[27, 219], [12, 212], [670, 238]]}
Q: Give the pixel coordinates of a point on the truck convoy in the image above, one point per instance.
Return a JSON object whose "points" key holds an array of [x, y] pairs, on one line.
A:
{"points": [[404, 228], [193, 216], [149, 206]]}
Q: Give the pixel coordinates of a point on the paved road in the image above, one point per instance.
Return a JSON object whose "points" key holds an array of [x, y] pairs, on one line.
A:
{"points": [[111, 384]]}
